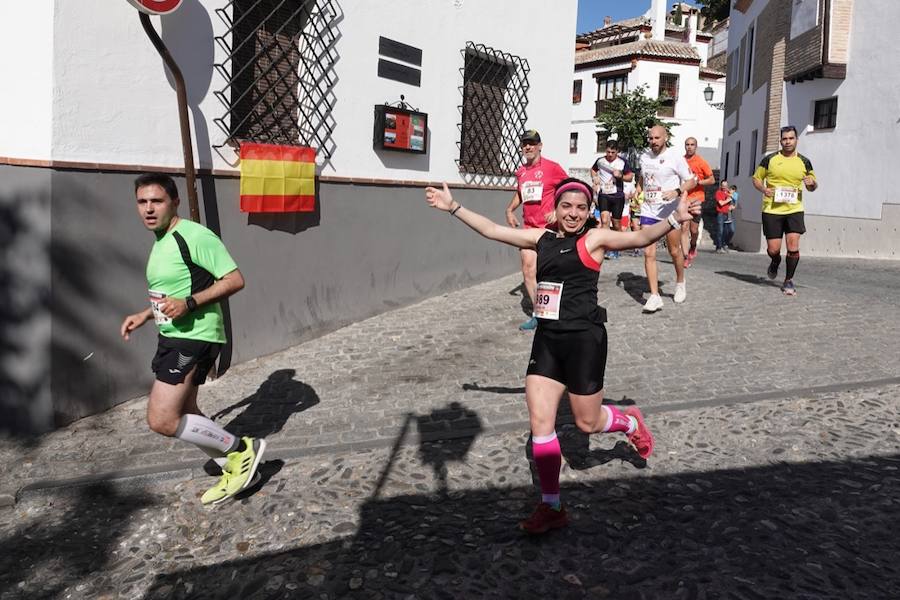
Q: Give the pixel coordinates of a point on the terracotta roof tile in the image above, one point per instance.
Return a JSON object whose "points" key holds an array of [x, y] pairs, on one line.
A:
{"points": [[642, 48]]}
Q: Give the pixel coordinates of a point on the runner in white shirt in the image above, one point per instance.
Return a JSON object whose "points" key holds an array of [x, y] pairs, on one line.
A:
{"points": [[665, 176]]}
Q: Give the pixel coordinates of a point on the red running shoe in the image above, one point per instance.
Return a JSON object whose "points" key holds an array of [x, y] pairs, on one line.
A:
{"points": [[543, 519], [641, 439]]}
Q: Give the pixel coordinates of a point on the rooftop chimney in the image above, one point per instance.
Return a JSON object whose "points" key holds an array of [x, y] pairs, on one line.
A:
{"points": [[659, 13], [607, 21]]}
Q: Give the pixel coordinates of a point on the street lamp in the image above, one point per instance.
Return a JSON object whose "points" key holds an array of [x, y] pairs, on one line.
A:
{"points": [[708, 96]]}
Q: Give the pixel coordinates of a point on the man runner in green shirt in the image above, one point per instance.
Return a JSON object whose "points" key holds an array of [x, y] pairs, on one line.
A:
{"points": [[780, 177], [188, 273]]}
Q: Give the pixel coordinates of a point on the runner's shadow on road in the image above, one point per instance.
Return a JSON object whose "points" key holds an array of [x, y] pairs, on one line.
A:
{"points": [[494, 389], [746, 278], [269, 408], [525, 302], [787, 530], [636, 286], [446, 435], [53, 552]]}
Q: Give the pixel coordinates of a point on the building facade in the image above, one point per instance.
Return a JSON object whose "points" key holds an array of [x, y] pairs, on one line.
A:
{"points": [[826, 67], [669, 59], [94, 106]]}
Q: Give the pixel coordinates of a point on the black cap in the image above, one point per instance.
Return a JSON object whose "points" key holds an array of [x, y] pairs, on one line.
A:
{"points": [[531, 136]]}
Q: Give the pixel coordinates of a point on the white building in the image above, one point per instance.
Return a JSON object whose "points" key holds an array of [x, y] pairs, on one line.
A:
{"points": [[828, 67], [649, 50], [89, 105]]}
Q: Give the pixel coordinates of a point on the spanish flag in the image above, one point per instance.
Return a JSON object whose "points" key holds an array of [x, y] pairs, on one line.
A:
{"points": [[277, 178]]}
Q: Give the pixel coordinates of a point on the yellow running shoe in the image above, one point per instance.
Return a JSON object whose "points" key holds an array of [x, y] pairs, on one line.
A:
{"points": [[238, 472]]}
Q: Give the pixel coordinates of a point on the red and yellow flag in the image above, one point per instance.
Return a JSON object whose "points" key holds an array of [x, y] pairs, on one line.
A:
{"points": [[277, 178]]}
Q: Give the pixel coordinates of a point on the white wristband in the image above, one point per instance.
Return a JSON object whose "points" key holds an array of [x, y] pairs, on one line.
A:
{"points": [[673, 222]]}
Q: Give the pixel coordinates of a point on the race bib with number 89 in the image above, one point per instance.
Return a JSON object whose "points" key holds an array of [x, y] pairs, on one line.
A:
{"points": [[546, 300]]}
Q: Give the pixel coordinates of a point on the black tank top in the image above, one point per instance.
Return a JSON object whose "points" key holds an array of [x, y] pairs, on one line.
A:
{"points": [[566, 260]]}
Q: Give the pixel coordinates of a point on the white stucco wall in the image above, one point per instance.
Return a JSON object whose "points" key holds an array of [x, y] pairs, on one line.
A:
{"points": [[26, 31], [113, 103], [848, 215]]}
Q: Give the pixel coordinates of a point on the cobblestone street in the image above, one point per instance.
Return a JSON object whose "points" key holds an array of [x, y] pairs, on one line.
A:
{"points": [[398, 458]]}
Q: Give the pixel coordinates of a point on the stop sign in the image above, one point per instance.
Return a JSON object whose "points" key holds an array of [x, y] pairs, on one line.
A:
{"points": [[156, 7]]}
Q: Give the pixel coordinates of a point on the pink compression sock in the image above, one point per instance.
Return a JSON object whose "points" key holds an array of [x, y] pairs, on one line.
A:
{"points": [[548, 460], [616, 420]]}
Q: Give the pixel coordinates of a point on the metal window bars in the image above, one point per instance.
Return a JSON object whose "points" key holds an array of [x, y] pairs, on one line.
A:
{"points": [[493, 111], [279, 72]]}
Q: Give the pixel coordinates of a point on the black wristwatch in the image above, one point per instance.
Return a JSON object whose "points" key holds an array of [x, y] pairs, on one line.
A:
{"points": [[191, 303]]}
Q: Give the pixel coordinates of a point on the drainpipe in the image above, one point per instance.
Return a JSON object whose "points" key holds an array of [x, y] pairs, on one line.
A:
{"points": [[181, 93]]}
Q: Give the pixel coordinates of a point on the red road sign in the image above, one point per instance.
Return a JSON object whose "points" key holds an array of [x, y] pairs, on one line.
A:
{"points": [[156, 7]]}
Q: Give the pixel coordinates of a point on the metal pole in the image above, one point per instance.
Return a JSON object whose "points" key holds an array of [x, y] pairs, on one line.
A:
{"points": [[186, 147]]}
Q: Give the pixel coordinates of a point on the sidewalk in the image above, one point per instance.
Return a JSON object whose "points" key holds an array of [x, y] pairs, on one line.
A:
{"points": [[735, 340]]}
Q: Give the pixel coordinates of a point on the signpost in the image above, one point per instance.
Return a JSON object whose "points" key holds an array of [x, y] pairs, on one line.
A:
{"points": [[165, 7], [156, 7]]}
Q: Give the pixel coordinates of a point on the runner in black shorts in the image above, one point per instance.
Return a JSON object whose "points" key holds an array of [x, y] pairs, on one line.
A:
{"points": [[609, 174], [569, 347], [188, 273]]}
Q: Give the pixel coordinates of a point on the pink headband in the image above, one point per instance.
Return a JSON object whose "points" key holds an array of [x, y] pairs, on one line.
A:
{"points": [[574, 186]]}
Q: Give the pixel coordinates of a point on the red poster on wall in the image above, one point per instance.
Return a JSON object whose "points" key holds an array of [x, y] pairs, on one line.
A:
{"points": [[400, 129]]}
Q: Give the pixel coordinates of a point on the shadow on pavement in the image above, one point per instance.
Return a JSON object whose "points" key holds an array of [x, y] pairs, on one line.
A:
{"points": [[813, 530], [525, 302], [494, 389], [446, 435], [50, 558], [269, 408], [754, 279]]}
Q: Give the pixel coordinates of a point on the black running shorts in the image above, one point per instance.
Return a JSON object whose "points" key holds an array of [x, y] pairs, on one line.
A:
{"points": [[612, 205], [175, 357], [775, 226], [577, 359]]}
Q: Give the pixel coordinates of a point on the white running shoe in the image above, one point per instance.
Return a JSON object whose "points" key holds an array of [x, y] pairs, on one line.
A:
{"points": [[680, 292], [653, 304]]}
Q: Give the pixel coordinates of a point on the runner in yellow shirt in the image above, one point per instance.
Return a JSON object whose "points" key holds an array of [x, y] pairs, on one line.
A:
{"points": [[780, 178]]}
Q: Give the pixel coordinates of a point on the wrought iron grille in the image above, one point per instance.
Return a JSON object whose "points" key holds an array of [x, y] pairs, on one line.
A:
{"points": [[279, 72], [494, 101]]}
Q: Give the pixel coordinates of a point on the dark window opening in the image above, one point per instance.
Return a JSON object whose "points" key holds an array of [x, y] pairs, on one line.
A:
{"points": [[576, 92], [668, 94], [279, 71], [608, 88], [573, 143], [495, 86], [825, 114]]}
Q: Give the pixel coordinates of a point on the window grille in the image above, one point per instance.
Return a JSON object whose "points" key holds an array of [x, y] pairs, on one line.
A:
{"points": [[494, 99], [825, 116], [668, 94], [279, 72]]}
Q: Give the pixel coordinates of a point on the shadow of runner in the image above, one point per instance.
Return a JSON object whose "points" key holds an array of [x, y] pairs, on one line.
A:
{"points": [[810, 530], [50, 557], [446, 435], [525, 302], [269, 408], [754, 279]]}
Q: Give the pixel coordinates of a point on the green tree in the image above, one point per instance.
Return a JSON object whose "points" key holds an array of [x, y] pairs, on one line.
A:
{"points": [[715, 10], [628, 116]]}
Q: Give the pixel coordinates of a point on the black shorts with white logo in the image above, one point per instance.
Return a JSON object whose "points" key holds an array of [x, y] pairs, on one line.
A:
{"points": [[577, 359], [175, 357], [775, 226], [612, 205]]}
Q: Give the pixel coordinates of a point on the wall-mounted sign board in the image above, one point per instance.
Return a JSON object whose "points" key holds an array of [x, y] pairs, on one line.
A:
{"points": [[400, 129]]}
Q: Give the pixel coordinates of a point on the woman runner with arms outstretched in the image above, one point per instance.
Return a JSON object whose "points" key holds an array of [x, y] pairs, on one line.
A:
{"points": [[569, 348]]}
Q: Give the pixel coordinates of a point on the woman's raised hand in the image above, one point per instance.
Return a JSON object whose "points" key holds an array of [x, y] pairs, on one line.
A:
{"points": [[439, 199]]}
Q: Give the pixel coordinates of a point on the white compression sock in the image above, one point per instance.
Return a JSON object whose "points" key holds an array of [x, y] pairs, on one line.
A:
{"points": [[206, 435]]}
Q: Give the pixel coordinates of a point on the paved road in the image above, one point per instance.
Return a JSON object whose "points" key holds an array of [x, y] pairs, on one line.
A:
{"points": [[398, 459]]}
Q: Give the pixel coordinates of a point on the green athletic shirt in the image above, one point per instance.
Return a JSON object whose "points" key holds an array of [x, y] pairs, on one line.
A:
{"points": [[776, 170], [187, 259]]}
